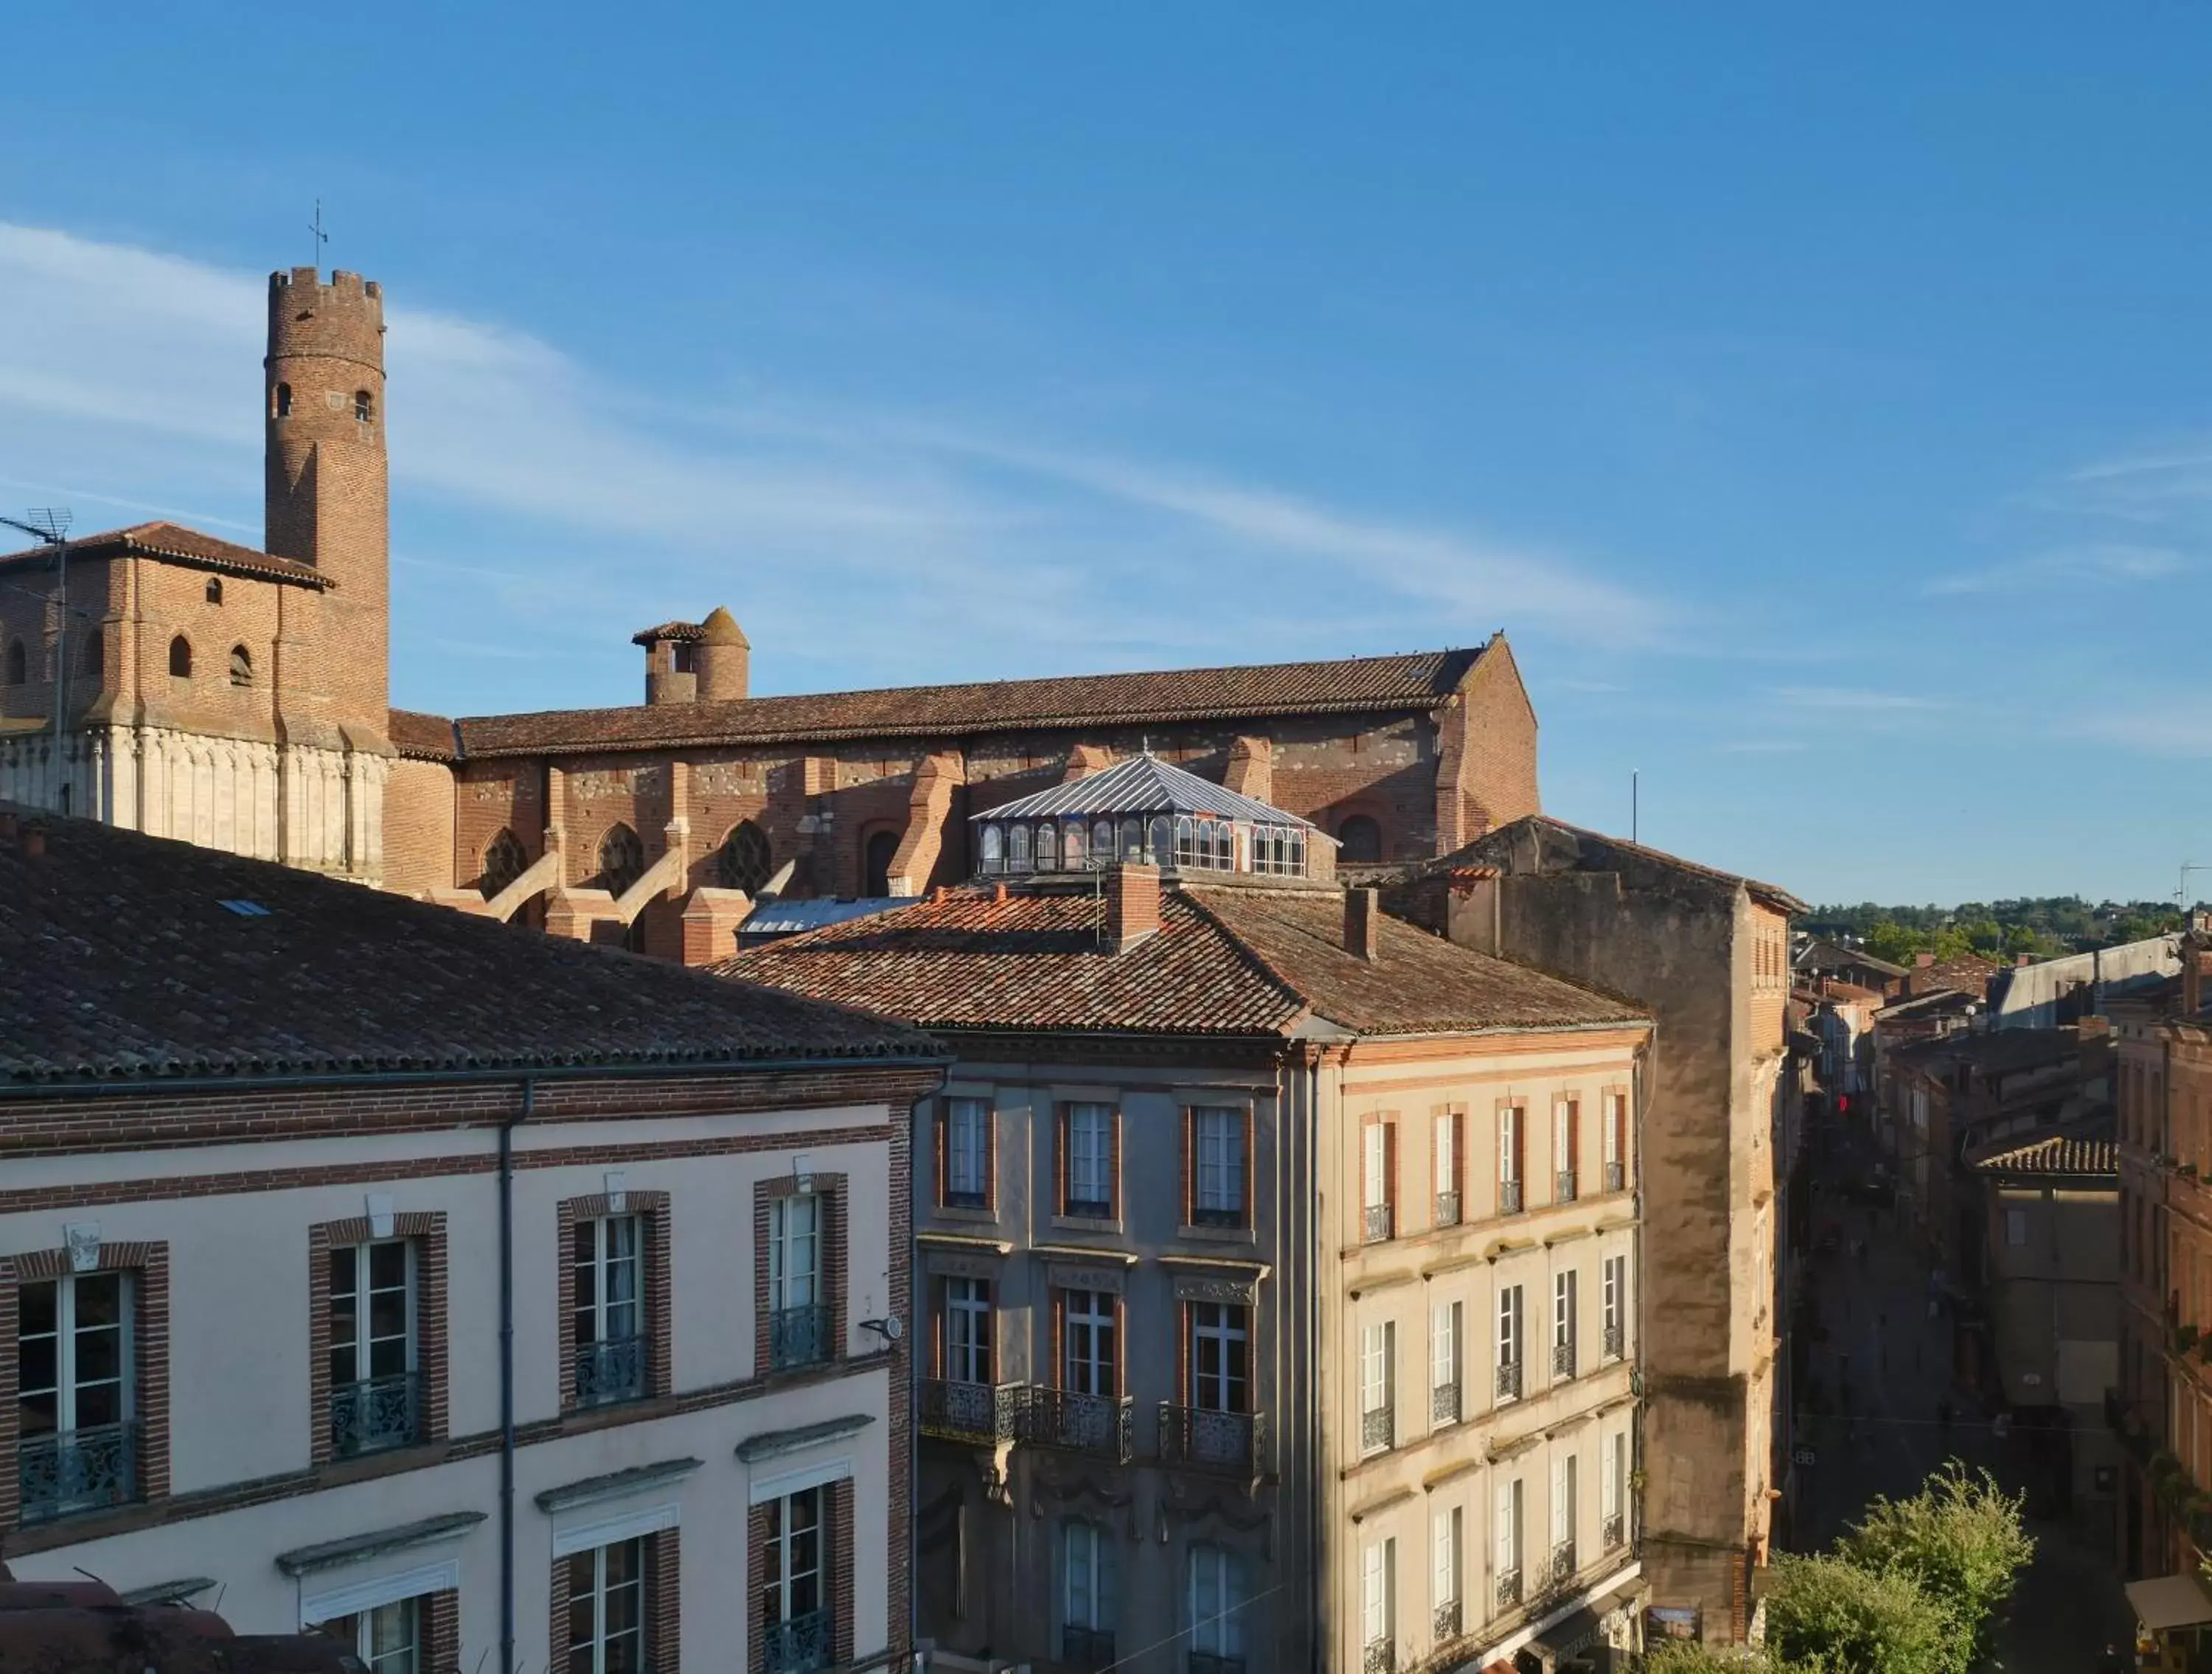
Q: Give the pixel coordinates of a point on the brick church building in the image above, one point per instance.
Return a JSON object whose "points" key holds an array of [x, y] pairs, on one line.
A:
{"points": [[238, 700]]}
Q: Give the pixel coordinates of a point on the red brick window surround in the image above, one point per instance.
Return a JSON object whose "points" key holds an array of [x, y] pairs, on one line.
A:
{"points": [[798, 1565], [428, 1626], [1216, 1165], [963, 1338], [799, 1271], [966, 1153], [1378, 1177], [617, 1299], [84, 1382], [617, 1609], [376, 1335], [1087, 1159]]}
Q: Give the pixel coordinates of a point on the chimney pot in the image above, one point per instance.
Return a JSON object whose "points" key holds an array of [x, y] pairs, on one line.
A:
{"points": [[1363, 933], [1133, 905], [998, 892]]}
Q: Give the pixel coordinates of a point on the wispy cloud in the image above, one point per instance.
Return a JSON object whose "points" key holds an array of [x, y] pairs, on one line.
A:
{"points": [[2100, 564], [2179, 725], [1762, 747], [1851, 700]]}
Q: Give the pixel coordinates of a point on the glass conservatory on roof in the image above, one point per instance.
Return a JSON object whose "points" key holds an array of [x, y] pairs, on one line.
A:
{"points": [[1151, 812]]}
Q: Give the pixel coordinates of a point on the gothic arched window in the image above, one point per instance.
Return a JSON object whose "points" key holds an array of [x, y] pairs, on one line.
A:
{"points": [[744, 859], [241, 665], [18, 665], [1361, 839], [180, 657], [994, 849], [621, 859], [503, 863], [1048, 846]]}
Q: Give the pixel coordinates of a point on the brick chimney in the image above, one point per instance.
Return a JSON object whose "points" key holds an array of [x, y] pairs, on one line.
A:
{"points": [[1133, 905], [1363, 927]]}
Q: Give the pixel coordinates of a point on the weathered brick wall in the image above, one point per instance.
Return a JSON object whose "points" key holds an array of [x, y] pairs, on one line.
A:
{"points": [[26, 616], [1495, 747], [418, 828]]}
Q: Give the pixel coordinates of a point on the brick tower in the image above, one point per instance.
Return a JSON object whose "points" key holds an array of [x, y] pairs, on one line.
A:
{"points": [[327, 498]]}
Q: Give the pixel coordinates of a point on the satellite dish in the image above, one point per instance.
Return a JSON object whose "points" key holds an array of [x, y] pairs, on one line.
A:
{"points": [[887, 1328]]}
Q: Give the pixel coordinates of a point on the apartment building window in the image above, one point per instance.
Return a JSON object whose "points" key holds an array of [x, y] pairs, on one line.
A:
{"points": [[2016, 1227], [799, 1314], [376, 1395], [1444, 1150], [1445, 1406], [607, 1256], [1506, 1549], [1509, 1343], [76, 1400], [1563, 1324], [1087, 1161], [1612, 1491], [1563, 1517], [607, 1594], [1378, 1599], [1613, 1297], [1087, 1574], [965, 1146], [1379, 1349], [1443, 1586], [1220, 1340], [1615, 1142], [388, 1639], [1566, 1147], [966, 1358], [1090, 1361], [1510, 1149], [1217, 1610], [1378, 1171], [797, 1632], [1220, 1157]]}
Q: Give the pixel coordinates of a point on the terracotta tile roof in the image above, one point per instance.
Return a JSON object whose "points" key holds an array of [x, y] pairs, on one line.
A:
{"points": [[1967, 973], [676, 631], [1592, 851], [1247, 962], [2057, 1153], [172, 543], [425, 737], [119, 959], [1357, 686]]}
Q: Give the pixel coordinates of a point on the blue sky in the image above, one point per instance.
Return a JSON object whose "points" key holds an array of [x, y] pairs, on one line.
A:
{"points": [[1817, 399]]}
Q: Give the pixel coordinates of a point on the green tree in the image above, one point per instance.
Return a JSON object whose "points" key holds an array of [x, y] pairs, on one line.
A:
{"points": [[1889, 939], [1680, 1656], [1959, 1540], [1827, 1613]]}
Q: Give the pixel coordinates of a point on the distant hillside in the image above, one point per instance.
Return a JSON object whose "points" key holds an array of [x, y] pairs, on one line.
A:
{"points": [[2043, 926]]}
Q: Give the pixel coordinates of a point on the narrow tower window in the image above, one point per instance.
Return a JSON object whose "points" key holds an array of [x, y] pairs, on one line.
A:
{"points": [[241, 665], [214, 590], [18, 664], [281, 404], [364, 408], [95, 655], [180, 657]]}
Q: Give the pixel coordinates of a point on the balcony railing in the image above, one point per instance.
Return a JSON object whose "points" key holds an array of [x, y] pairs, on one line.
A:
{"points": [[612, 1369], [1090, 1209], [799, 1644], [1563, 1562], [799, 1336], [1378, 1219], [1447, 1209], [1209, 1439], [1508, 1587], [1376, 1429], [1103, 1426], [1615, 1531], [1444, 1403], [956, 1199], [1616, 1177], [79, 1470], [1217, 1214], [1564, 1186], [383, 1412], [985, 1414], [1380, 1657], [1563, 1359], [1616, 1341], [1445, 1628], [1509, 1197], [1509, 1380], [1213, 1662], [1086, 1647]]}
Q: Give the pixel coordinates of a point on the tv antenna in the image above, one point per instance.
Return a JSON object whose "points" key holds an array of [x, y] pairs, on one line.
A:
{"points": [[50, 524], [2181, 895], [322, 238]]}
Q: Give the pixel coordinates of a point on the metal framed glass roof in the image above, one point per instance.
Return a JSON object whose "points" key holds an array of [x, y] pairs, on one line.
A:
{"points": [[1143, 784]]}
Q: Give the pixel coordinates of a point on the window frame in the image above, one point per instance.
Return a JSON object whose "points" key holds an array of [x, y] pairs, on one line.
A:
{"points": [[1230, 1329], [1218, 1633], [362, 1636], [1235, 1128], [1107, 1160], [1099, 1317], [951, 1194], [968, 1336]]}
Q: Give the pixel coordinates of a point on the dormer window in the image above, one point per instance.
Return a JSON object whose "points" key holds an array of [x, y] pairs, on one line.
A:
{"points": [[684, 658]]}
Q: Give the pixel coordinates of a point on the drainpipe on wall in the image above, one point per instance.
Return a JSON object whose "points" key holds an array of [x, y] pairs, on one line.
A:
{"points": [[507, 1377]]}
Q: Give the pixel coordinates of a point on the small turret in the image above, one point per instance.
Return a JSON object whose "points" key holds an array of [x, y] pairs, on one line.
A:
{"points": [[724, 658]]}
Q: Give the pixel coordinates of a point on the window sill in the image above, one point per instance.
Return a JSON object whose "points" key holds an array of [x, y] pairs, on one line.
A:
{"points": [[978, 1217], [1218, 1234], [1088, 1223]]}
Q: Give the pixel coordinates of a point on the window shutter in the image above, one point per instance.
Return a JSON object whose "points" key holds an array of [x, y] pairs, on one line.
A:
{"points": [[1059, 1338], [1113, 1161], [1390, 1165], [1184, 1393], [1121, 1347], [990, 1155], [938, 1328], [1251, 1211], [1189, 1166], [1108, 1575], [1059, 1160], [944, 1143]]}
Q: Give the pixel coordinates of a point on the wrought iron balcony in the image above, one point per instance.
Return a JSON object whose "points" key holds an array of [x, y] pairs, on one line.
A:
{"points": [[1445, 1628], [1378, 1223], [1615, 1531], [1103, 1426], [1616, 1341], [1209, 1439], [78, 1471], [1217, 1214], [1616, 1177], [1563, 1359], [1380, 1657], [1212, 1662], [1508, 1587], [1447, 1209], [1563, 1562], [1376, 1430], [1563, 1186], [985, 1414], [799, 1336], [799, 1644], [1509, 1197], [1509, 1380], [383, 1412], [1086, 1647], [1444, 1403], [1090, 1209], [612, 1369]]}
